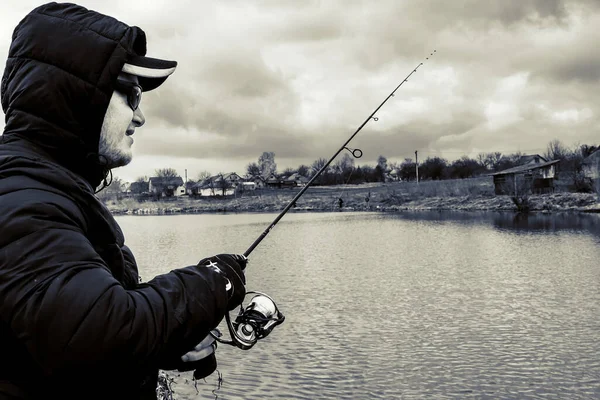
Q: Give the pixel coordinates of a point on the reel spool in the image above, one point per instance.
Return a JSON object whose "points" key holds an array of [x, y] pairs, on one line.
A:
{"points": [[254, 322]]}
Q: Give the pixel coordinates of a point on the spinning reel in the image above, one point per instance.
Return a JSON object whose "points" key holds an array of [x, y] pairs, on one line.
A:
{"points": [[253, 322]]}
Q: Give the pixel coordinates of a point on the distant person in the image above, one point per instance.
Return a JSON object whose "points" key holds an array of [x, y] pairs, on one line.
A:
{"points": [[340, 202], [75, 322]]}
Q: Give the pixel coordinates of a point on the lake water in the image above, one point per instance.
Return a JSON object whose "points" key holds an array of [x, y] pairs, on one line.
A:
{"points": [[432, 305]]}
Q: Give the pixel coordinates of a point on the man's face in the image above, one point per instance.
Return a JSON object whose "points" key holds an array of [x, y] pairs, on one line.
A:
{"points": [[119, 125]]}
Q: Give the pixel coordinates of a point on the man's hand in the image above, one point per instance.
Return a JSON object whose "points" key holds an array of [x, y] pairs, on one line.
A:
{"points": [[231, 266], [202, 350], [202, 358]]}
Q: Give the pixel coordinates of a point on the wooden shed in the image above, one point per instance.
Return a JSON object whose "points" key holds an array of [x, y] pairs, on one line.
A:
{"points": [[529, 178]]}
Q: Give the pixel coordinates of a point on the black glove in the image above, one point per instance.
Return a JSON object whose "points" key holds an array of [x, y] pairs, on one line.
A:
{"points": [[232, 267], [205, 367], [202, 367]]}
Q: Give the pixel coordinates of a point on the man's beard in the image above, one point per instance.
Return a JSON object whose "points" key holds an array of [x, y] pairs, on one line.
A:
{"points": [[111, 154]]}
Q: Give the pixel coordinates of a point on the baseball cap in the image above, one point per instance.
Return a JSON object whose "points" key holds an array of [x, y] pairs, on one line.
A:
{"points": [[151, 72]]}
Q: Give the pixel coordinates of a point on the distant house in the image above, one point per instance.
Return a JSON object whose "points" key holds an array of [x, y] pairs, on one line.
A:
{"points": [[247, 186], [273, 181], [591, 166], [231, 177], [259, 181], [294, 180], [212, 190], [138, 187], [531, 177], [393, 175], [166, 186], [126, 188], [282, 181], [219, 185]]}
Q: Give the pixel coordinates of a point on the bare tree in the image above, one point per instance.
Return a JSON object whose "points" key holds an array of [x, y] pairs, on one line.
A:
{"points": [[252, 170], [289, 171], [202, 176], [493, 160], [166, 173], [223, 183], [304, 170], [483, 160], [345, 163], [382, 163], [433, 168], [343, 168], [519, 188], [267, 165], [407, 170], [586, 150], [317, 165], [381, 168], [515, 157], [556, 151]]}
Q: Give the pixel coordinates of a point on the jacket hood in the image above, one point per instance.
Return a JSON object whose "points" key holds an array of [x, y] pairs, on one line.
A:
{"points": [[60, 73]]}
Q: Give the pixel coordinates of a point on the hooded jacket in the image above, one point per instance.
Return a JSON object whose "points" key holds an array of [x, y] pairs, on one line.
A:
{"points": [[74, 320]]}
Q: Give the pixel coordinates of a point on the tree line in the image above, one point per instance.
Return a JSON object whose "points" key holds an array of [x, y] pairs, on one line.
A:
{"points": [[345, 170]]}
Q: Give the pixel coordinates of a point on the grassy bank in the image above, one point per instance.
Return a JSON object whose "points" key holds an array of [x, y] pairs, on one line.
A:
{"points": [[462, 194]]}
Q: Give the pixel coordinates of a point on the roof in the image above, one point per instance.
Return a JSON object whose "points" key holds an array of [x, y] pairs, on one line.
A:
{"points": [[524, 159], [224, 176], [166, 180], [592, 157], [528, 158], [526, 167], [219, 177], [296, 177], [220, 184]]}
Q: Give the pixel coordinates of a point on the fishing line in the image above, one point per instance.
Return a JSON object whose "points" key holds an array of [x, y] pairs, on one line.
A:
{"points": [[301, 192]]}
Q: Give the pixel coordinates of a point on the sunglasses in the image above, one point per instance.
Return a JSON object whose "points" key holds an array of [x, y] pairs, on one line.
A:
{"points": [[132, 90]]}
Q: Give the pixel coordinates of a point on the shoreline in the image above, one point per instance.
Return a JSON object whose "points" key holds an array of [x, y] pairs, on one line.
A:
{"points": [[548, 203]]}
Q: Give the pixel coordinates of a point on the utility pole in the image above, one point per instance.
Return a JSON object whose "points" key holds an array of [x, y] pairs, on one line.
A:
{"points": [[417, 165]]}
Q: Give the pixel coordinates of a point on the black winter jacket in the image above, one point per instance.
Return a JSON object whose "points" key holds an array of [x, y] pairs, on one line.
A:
{"points": [[74, 320]]}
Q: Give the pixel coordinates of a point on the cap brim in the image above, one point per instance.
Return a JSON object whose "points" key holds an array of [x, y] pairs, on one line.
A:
{"points": [[151, 72]]}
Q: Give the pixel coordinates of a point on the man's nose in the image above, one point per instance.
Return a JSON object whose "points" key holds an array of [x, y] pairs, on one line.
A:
{"points": [[138, 117]]}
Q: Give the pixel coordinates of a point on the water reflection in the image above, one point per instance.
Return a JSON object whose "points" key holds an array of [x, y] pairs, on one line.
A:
{"points": [[540, 222], [510, 221]]}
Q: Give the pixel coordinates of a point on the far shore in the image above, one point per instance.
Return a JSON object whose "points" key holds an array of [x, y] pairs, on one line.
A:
{"points": [[458, 195]]}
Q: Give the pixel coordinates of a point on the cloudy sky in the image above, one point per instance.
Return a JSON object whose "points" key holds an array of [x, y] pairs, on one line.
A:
{"points": [[299, 77]]}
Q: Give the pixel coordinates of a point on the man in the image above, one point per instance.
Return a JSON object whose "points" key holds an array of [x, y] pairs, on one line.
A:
{"points": [[75, 323]]}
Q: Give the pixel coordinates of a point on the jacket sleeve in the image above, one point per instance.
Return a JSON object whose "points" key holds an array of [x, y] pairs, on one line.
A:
{"points": [[60, 299]]}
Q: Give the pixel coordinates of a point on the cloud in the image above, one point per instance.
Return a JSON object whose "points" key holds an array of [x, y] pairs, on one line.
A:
{"points": [[299, 77]]}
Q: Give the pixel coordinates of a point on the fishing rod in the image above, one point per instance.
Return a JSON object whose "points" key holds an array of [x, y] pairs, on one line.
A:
{"points": [[256, 320], [356, 153]]}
